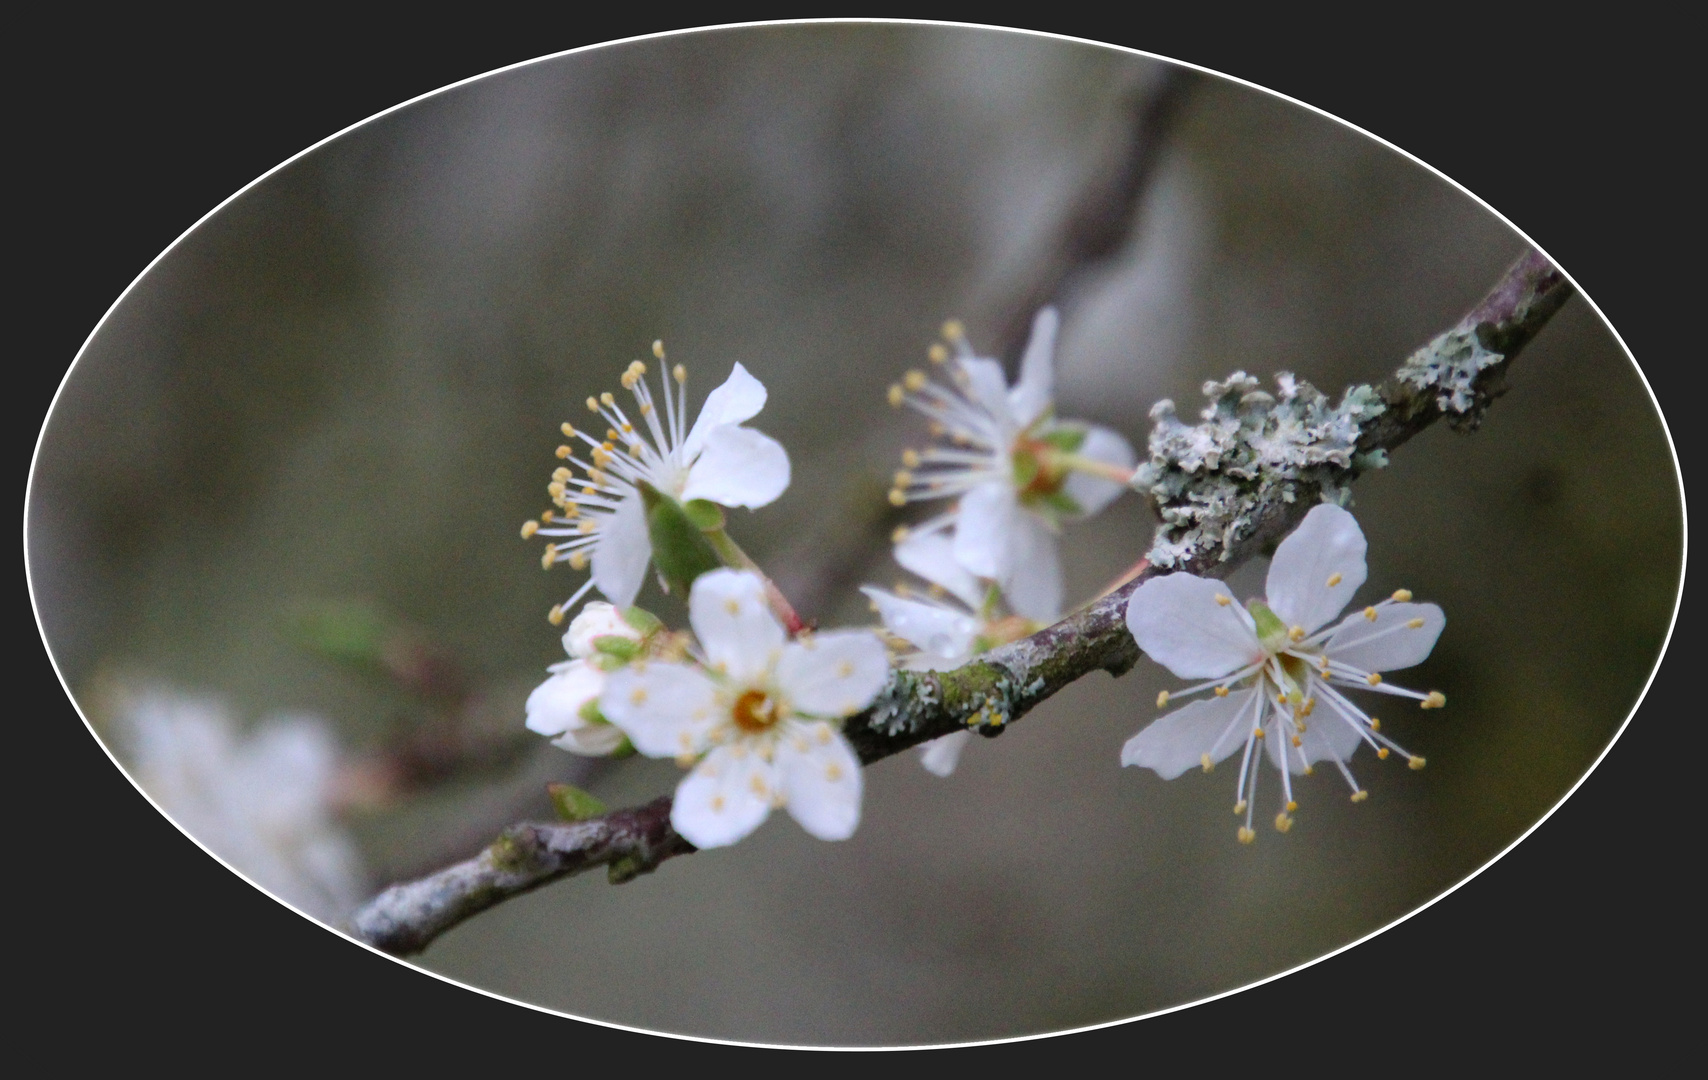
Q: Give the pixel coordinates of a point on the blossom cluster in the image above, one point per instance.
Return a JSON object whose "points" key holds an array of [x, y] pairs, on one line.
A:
{"points": [[751, 701]]}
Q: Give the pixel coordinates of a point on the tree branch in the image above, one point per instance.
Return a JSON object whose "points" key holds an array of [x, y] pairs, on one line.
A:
{"points": [[1218, 510]]}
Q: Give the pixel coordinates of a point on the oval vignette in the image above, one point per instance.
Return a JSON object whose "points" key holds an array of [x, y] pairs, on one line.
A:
{"points": [[523, 627]]}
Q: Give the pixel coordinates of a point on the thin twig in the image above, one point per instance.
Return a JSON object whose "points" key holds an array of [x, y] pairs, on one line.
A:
{"points": [[1001, 686]]}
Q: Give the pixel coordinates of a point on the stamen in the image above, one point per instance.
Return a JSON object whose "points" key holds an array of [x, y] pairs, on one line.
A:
{"points": [[899, 534], [1414, 624], [1204, 760], [593, 405], [1245, 834], [1370, 613], [938, 354], [1224, 601], [1435, 700], [1296, 634], [914, 380], [1374, 678], [1221, 691], [658, 349], [529, 528], [896, 397], [555, 616], [1415, 762], [910, 458], [1334, 579], [549, 557], [1360, 795], [1162, 699], [1402, 595], [568, 430]]}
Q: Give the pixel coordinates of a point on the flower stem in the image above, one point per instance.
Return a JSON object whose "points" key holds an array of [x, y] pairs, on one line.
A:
{"points": [[737, 559]]}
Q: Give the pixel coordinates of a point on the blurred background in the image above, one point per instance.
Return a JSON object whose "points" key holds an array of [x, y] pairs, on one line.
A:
{"points": [[287, 473]]}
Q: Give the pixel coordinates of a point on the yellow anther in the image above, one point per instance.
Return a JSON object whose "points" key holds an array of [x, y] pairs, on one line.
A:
{"points": [[938, 353], [936, 428], [1375, 724], [658, 349], [717, 800], [1415, 624], [578, 560], [844, 669], [1360, 795], [638, 696], [1334, 579], [898, 497], [529, 528], [902, 590], [1162, 700], [589, 489], [680, 374], [823, 734], [568, 430], [1245, 835], [1239, 807], [1204, 760], [607, 399], [936, 591], [1370, 613], [561, 474], [1415, 761], [628, 429], [1402, 595], [895, 395], [1296, 634], [555, 615], [872, 605], [903, 478], [549, 557], [564, 451], [953, 330], [1310, 771], [914, 380], [1374, 678], [1298, 741], [1283, 822], [646, 408], [1435, 700], [1221, 691], [910, 458], [628, 380], [587, 527], [1292, 807], [592, 405], [638, 367], [900, 533], [1257, 733], [1310, 707], [732, 606], [1224, 601], [833, 772], [545, 518], [1382, 753]]}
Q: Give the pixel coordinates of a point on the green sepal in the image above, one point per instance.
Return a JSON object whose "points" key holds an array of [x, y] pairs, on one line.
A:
{"points": [[1271, 631], [643, 621], [617, 646], [680, 549], [348, 631], [589, 712], [708, 515], [1058, 502], [1026, 468], [573, 804], [1066, 439]]}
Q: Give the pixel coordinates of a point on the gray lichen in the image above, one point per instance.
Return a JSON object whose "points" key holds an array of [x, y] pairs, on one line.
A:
{"points": [[1212, 482], [1450, 364]]}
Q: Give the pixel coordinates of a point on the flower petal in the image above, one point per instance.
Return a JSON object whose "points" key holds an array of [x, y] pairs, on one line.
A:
{"points": [[944, 635], [940, 756], [1093, 493], [1033, 584], [932, 557], [1032, 395], [821, 780], [983, 528], [1327, 546], [739, 398], [1178, 623], [622, 551], [1327, 735], [555, 705], [734, 623], [1177, 742], [667, 710], [1389, 643], [738, 467], [597, 619], [833, 674], [727, 796], [988, 389]]}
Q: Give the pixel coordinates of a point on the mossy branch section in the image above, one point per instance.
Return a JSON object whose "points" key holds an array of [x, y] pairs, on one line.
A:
{"points": [[1455, 376]]}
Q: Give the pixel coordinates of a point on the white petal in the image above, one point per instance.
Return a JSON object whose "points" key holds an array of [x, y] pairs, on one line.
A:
{"points": [[1093, 493], [667, 710], [988, 389], [932, 557], [555, 705], [735, 625], [821, 780], [1179, 741], [1033, 584], [597, 619], [591, 740], [727, 796], [1388, 643], [739, 398], [1178, 623], [940, 756], [738, 467], [984, 527], [1032, 395], [621, 553], [945, 635], [833, 674], [1327, 546], [1327, 735]]}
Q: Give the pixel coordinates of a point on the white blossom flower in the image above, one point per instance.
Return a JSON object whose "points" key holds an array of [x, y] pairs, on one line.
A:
{"points": [[263, 803], [954, 620], [601, 512], [565, 706], [1016, 471], [1274, 663], [759, 720]]}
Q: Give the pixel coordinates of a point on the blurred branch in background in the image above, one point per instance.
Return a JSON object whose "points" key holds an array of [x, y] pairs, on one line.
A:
{"points": [[1456, 376]]}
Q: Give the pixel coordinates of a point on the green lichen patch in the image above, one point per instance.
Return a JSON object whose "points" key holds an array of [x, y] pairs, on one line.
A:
{"points": [[1450, 365], [1213, 483]]}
